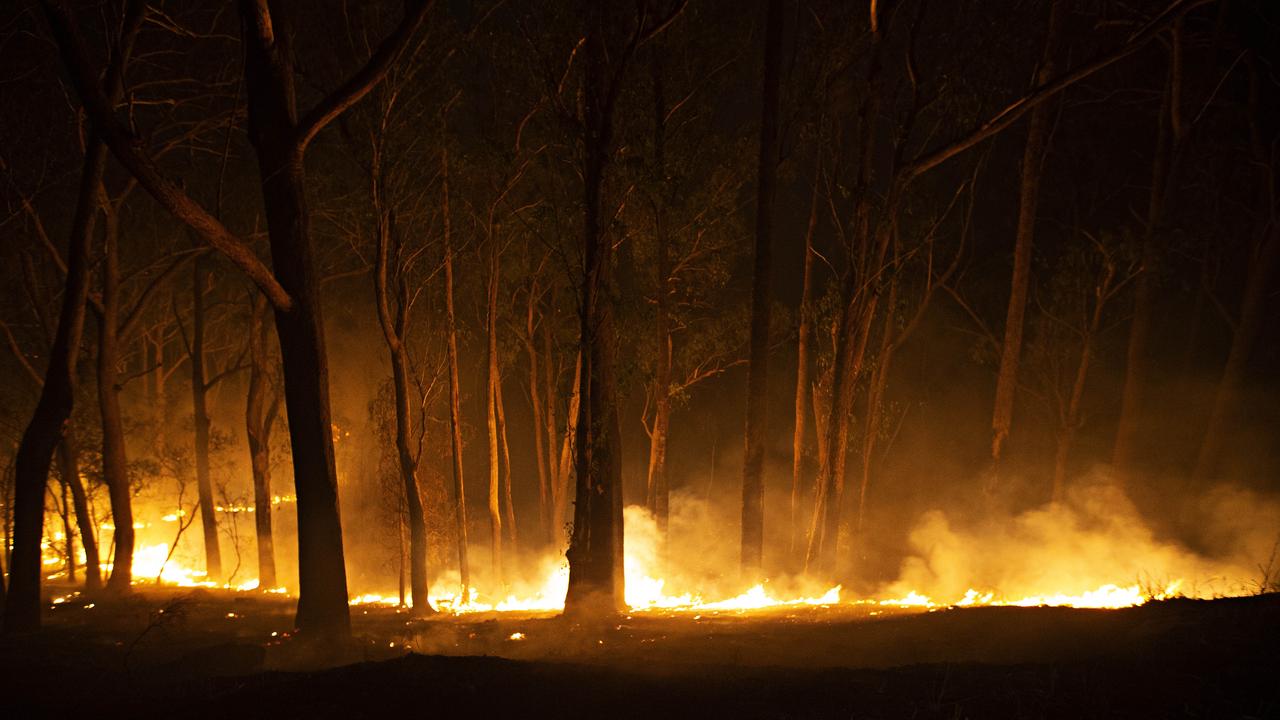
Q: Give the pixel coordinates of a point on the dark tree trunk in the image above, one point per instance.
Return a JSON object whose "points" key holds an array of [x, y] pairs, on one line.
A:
{"points": [[200, 412], [1170, 133], [53, 410], [596, 582], [322, 575], [1033, 154], [69, 468], [758, 369], [260, 414], [115, 460]]}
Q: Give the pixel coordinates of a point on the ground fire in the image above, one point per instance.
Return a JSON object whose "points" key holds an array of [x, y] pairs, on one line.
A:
{"points": [[676, 358]]}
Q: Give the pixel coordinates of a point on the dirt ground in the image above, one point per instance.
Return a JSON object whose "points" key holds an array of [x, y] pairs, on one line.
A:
{"points": [[168, 653]]}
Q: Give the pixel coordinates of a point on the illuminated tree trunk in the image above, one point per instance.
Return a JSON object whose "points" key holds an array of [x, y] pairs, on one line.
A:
{"points": [[545, 473], [803, 333], [758, 369], [491, 408], [260, 415], [875, 396], [1033, 153], [658, 493], [199, 408], [508, 506], [1069, 417], [455, 411], [53, 410], [567, 446]]}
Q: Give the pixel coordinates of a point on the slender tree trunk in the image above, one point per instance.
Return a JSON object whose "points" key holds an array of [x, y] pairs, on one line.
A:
{"points": [[68, 535], [875, 397], [539, 419], [1169, 139], [508, 506], [53, 410], [1070, 417], [758, 368], [69, 468], [567, 447], [260, 416], [658, 492], [491, 408], [455, 411], [803, 333], [1038, 130], [199, 408]]}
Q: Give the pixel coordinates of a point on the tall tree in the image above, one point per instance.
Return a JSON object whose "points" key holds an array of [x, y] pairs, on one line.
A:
{"points": [[758, 364], [1033, 154], [280, 136], [262, 405], [48, 423]]}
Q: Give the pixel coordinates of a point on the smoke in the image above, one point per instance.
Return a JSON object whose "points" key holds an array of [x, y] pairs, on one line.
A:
{"points": [[1095, 536]]}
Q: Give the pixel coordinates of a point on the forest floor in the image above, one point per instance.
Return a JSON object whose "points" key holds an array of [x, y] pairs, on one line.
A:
{"points": [[172, 653]]}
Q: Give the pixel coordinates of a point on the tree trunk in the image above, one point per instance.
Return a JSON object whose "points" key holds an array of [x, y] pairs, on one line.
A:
{"points": [[1038, 130], [658, 492], [508, 506], [875, 396], [596, 582], [53, 410], [758, 369], [539, 419], [1170, 134], [68, 535], [115, 460], [1248, 327], [69, 468], [803, 333], [200, 411], [259, 418], [322, 575], [491, 408], [455, 411], [567, 445]]}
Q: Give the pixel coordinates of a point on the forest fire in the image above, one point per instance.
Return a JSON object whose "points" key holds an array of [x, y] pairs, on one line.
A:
{"points": [[789, 358]]}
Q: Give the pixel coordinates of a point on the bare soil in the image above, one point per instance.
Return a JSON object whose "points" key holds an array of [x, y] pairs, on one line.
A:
{"points": [[168, 653]]}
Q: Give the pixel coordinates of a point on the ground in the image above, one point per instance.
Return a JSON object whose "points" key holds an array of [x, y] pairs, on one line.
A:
{"points": [[168, 653]]}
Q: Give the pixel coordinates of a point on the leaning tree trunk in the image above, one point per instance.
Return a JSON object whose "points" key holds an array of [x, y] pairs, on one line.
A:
{"points": [[259, 417], [1033, 153], [1248, 327], [758, 367], [69, 468], [508, 506], [53, 410], [455, 394], [200, 411]]}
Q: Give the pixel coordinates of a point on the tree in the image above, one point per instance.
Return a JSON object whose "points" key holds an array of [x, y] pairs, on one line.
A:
{"points": [[280, 136], [1033, 155], [48, 423]]}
